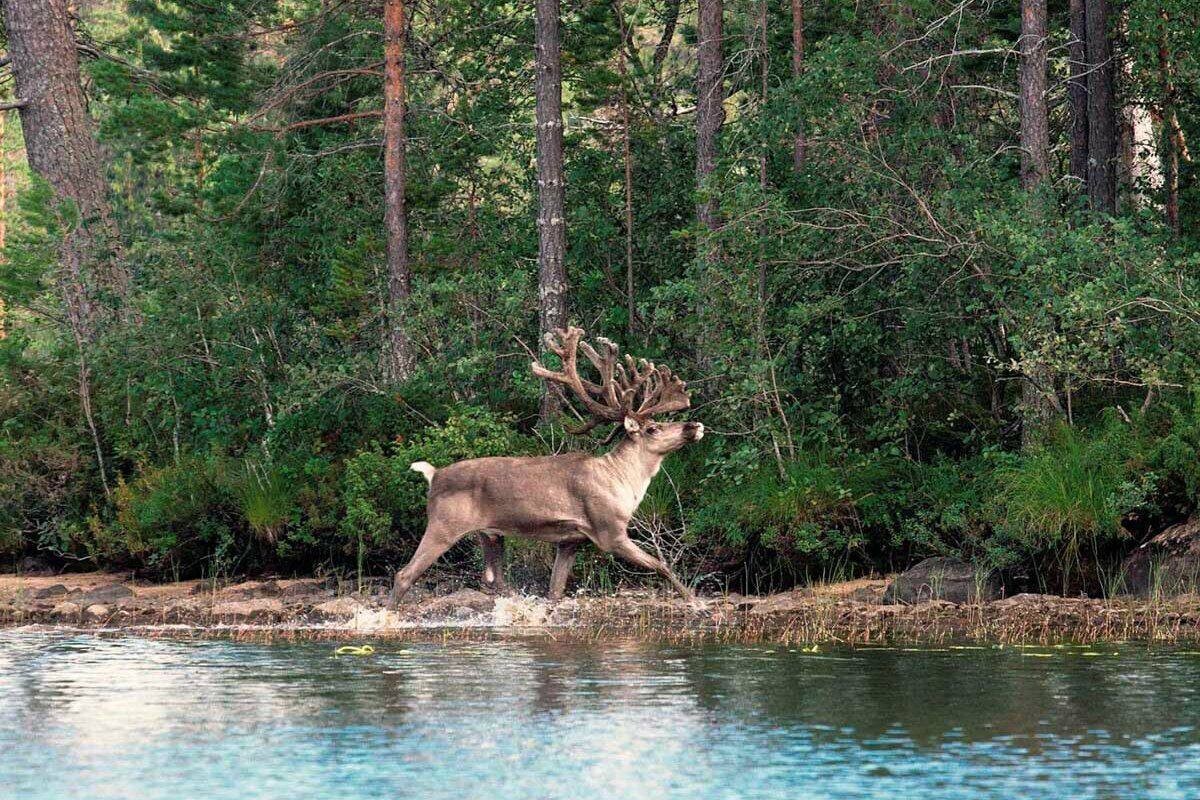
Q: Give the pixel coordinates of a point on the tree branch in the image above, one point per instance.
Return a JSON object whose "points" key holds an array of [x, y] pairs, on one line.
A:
{"points": [[309, 123]]}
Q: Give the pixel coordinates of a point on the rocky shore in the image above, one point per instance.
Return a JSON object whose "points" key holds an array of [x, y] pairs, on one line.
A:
{"points": [[857, 612]]}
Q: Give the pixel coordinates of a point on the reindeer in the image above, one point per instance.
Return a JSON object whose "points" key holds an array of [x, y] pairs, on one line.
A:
{"points": [[566, 499]]}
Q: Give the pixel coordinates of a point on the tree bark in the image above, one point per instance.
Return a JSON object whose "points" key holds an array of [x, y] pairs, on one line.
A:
{"points": [[710, 108], [1101, 105], [1033, 47], [61, 148], [397, 349], [799, 143], [627, 158], [1035, 129], [552, 239], [1077, 92], [3, 207], [1172, 133]]}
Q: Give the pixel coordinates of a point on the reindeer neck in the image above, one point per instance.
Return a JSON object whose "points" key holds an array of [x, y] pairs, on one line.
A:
{"points": [[633, 465]]}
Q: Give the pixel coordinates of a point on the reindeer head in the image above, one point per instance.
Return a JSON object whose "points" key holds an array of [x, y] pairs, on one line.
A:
{"points": [[629, 393]]}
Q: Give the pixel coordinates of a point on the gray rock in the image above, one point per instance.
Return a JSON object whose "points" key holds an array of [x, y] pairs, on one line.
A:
{"points": [[303, 588], [35, 566], [464, 598], [96, 611], [943, 578], [1168, 564], [341, 608], [105, 594], [264, 589], [57, 590], [1028, 599], [782, 603], [262, 607], [66, 610]]}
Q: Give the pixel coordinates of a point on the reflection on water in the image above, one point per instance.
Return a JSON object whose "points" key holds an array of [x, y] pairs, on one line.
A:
{"points": [[531, 718]]}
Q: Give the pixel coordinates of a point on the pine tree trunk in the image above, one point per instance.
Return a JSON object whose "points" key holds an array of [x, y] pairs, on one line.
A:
{"points": [[627, 158], [552, 239], [1172, 134], [1077, 92], [1035, 171], [1035, 129], [397, 349], [61, 148], [763, 46], [710, 109], [3, 207], [799, 144], [661, 50], [1101, 104]]}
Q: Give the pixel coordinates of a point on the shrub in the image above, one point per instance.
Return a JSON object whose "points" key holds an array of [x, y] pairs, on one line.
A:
{"points": [[179, 520], [384, 500], [1070, 493], [265, 497]]}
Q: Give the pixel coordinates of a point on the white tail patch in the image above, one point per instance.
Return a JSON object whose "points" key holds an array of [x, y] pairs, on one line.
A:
{"points": [[425, 468]]}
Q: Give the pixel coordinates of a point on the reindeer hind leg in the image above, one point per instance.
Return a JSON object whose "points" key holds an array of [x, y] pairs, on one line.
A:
{"points": [[564, 560], [436, 541], [493, 561]]}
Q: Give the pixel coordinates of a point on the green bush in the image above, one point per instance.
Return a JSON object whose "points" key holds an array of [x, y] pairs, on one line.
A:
{"points": [[384, 500], [176, 521], [265, 496], [1068, 496]]}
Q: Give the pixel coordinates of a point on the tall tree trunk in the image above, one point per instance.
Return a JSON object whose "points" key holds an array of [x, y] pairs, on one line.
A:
{"points": [[3, 206], [1101, 104], [710, 108], [61, 148], [397, 349], [1172, 133], [1077, 92], [552, 233], [669, 22], [799, 143], [627, 158], [764, 76], [1035, 171], [1141, 167], [1035, 130]]}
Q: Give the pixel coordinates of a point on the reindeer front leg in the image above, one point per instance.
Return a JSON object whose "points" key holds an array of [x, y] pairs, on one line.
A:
{"points": [[626, 548]]}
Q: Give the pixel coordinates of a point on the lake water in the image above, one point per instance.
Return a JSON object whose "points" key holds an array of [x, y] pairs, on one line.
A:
{"points": [[88, 717]]}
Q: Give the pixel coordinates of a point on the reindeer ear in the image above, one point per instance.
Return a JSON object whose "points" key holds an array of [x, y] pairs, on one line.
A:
{"points": [[632, 425]]}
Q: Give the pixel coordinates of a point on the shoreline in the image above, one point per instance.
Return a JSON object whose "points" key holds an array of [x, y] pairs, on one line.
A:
{"points": [[848, 614]]}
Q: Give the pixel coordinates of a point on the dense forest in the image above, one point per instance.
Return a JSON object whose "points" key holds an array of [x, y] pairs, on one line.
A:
{"points": [[930, 270]]}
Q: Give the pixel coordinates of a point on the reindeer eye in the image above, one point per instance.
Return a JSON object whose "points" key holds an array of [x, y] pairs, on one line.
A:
{"points": [[652, 430]]}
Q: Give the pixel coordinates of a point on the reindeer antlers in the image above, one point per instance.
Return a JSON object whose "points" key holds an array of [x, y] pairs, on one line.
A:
{"points": [[615, 396]]}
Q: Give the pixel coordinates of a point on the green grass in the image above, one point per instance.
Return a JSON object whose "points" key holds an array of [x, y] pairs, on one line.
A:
{"points": [[265, 498], [1069, 495]]}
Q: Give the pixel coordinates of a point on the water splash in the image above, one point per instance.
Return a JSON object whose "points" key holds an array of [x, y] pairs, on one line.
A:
{"points": [[376, 619], [521, 612]]}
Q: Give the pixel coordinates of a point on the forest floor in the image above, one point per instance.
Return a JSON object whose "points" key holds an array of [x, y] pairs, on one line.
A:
{"points": [[851, 613]]}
